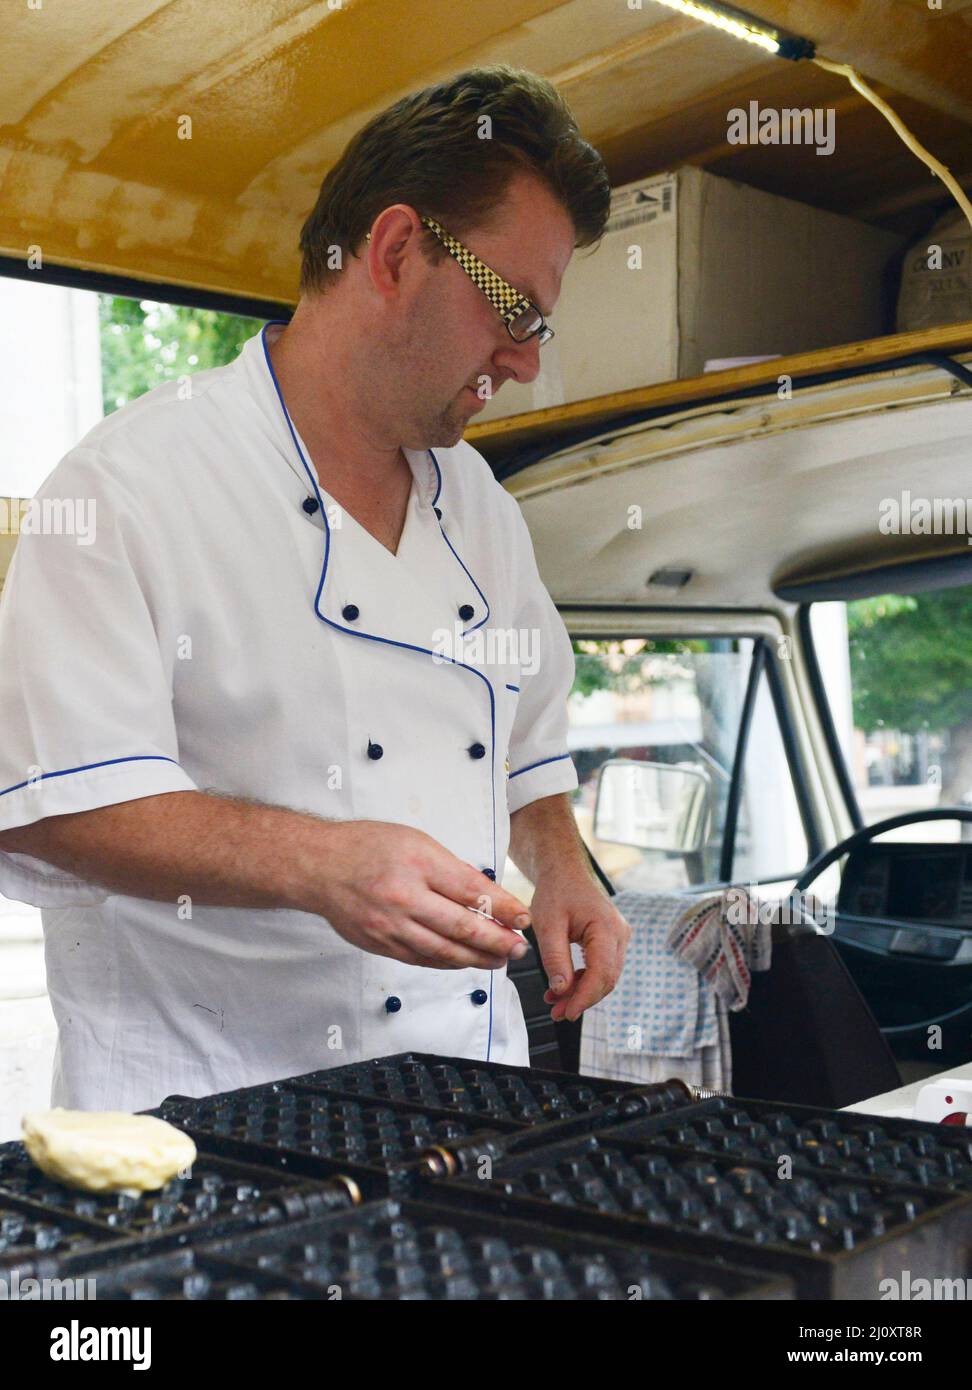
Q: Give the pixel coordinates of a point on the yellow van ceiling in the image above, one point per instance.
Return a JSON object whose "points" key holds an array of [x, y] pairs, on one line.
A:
{"points": [[98, 99]]}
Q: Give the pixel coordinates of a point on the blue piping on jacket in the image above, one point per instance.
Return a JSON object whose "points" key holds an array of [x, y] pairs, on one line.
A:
{"points": [[87, 767], [472, 581], [542, 763]]}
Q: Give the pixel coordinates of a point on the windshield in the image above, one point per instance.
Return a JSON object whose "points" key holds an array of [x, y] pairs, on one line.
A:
{"points": [[898, 673], [681, 704]]}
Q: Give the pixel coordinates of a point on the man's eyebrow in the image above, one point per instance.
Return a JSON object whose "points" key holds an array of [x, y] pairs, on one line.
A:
{"points": [[530, 293], [526, 288]]}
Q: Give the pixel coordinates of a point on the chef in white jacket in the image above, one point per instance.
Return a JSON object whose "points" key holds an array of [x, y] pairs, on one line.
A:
{"points": [[268, 737]]}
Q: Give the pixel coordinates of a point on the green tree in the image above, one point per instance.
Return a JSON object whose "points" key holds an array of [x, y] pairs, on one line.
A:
{"points": [[612, 665], [144, 343], [911, 668], [630, 666]]}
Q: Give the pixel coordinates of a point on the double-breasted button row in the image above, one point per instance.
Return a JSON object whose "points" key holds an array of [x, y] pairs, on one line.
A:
{"points": [[393, 1004], [311, 504], [375, 750], [351, 612]]}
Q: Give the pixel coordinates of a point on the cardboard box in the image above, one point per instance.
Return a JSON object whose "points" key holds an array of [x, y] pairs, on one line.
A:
{"points": [[693, 267]]}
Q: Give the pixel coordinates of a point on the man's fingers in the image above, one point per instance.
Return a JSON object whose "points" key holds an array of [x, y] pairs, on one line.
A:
{"points": [[596, 979], [560, 1003], [555, 952], [470, 888], [432, 949], [469, 928]]}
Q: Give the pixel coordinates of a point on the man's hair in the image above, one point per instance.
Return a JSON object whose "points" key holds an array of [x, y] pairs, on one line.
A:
{"points": [[449, 151]]}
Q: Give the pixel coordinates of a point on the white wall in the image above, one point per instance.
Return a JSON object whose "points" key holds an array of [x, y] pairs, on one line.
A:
{"points": [[50, 379], [50, 396]]}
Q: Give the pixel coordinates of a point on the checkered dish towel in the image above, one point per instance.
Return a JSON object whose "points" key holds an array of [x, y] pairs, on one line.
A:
{"points": [[688, 965]]}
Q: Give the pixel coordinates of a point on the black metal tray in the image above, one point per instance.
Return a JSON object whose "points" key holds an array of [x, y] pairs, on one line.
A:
{"points": [[322, 1134], [816, 1140], [373, 1120], [28, 1237], [408, 1250], [49, 1222], [584, 1177], [837, 1237], [497, 1093], [184, 1274]]}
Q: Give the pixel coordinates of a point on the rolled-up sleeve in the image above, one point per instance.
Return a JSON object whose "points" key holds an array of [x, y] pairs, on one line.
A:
{"points": [[86, 717], [540, 764]]}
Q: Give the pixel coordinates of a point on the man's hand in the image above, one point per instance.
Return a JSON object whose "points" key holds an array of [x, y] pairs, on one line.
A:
{"points": [[395, 891], [575, 909]]}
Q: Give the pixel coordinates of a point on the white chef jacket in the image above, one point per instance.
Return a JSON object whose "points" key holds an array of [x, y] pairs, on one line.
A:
{"points": [[231, 630]]}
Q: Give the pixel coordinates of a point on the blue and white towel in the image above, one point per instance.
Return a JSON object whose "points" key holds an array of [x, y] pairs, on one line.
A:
{"points": [[688, 965]]}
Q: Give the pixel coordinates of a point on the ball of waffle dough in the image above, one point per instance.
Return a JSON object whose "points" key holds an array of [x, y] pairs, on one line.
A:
{"points": [[107, 1151]]}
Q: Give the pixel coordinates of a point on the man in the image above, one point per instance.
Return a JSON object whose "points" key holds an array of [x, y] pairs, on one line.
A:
{"points": [[268, 738]]}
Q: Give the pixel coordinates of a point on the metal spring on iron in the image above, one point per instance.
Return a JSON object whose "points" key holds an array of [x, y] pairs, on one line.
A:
{"points": [[706, 1093]]}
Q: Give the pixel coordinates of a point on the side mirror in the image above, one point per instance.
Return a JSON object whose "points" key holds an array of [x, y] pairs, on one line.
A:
{"points": [[661, 806]]}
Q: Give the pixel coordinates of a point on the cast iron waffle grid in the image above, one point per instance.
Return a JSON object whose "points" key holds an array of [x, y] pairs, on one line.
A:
{"points": [[413, 1251], [185, 1275], [571, 1154], [829, 1231], [372, 1120], [492, 1091], [843, 1142], [26, 1237], [41, 1217], [317, 1133]]}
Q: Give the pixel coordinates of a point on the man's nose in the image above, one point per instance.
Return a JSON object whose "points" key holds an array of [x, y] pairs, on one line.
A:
{"points": [[520, 361]]}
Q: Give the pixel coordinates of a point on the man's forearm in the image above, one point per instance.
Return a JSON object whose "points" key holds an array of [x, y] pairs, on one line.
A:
{"points": [[544, 839], [219, 851]]}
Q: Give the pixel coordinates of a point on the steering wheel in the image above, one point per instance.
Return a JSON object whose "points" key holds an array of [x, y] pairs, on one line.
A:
{"points": [[869, 832]]}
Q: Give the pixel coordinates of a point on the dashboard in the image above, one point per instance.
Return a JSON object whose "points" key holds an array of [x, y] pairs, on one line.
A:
{"points": [[911, 900], [911, 883], [904, 931]]}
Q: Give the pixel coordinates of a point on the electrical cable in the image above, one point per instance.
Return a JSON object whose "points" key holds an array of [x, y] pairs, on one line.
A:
{"points": [[741, 25], [900, 129]]}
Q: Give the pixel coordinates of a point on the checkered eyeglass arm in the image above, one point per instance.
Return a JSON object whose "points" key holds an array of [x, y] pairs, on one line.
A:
{"points": [[508, 302]]}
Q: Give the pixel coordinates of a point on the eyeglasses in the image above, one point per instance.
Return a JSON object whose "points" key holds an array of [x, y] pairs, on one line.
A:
{"points": [[522, 317]]}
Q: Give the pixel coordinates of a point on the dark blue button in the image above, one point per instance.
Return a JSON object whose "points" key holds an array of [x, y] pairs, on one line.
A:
{"points": [[349, 612], [479, 996], [392, 1004], [437, 512], [490, 873], [477, 750], [310, 505], [466, 612], [375, 750]]}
